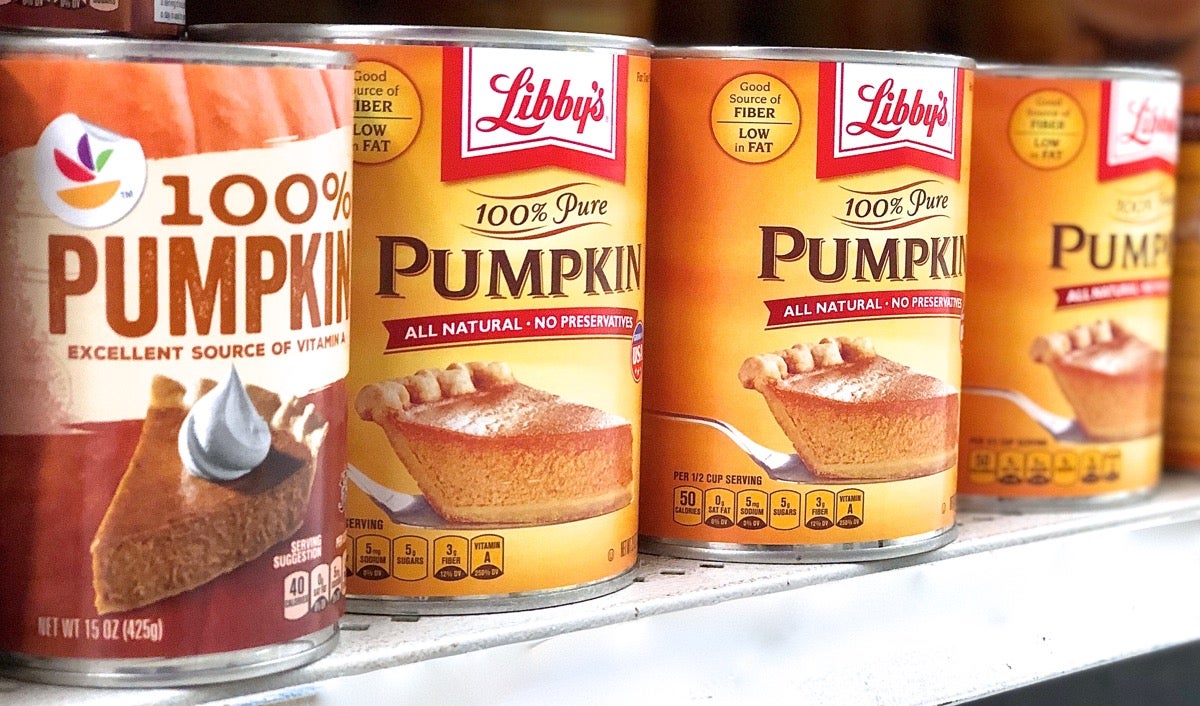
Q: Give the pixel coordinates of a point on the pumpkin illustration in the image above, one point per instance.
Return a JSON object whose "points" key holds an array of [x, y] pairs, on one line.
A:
{"points": [[173, 109]]}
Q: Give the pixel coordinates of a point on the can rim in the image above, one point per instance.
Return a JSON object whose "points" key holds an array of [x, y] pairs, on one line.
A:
{"points": [[1080, 71], [105, 48], [853, 56], [414, 34]]}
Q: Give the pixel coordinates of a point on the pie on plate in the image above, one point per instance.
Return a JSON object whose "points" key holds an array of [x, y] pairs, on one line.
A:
{"points": [[484, 448], [167, 531], [853, 414], [1110, 377]]}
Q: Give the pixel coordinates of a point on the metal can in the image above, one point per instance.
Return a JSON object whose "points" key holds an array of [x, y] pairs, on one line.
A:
{"points": [[134, 18], [496, 348], [807, 217], [174, 234], [1181, 425], [1070, 264]]}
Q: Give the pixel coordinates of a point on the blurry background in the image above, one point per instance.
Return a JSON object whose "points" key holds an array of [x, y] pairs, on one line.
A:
{"points": [[1041, 31]]}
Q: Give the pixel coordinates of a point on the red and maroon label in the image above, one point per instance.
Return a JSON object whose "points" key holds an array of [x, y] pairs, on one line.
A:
{"points": [[422, 332], [880, 116], [1139, 128], [509, 110]]}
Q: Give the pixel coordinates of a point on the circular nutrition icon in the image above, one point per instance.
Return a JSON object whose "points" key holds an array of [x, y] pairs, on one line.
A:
{"points": [[755, 118], [387, 112], [1047, 129]]}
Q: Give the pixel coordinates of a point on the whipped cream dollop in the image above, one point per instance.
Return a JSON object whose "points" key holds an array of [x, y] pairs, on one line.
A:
{"points": [[223, 436]]}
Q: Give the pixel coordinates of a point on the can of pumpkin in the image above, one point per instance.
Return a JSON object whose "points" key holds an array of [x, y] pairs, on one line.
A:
{"points": [[496, 347], [174, 242], [1070, 262], [809, 411], [152, 19], [1181, 425]]}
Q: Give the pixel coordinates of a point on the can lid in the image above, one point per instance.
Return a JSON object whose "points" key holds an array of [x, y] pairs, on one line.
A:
{"points": [[848, 56], [107, 48], [1098, 72], [414, 34]]}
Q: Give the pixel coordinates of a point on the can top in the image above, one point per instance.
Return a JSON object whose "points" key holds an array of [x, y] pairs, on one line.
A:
{"points": [[414, 34], [851, 56], [104, 48], [1098, 72]]}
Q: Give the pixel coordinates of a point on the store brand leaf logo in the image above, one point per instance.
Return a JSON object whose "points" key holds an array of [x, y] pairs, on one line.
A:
{"points": [[84, 169]]}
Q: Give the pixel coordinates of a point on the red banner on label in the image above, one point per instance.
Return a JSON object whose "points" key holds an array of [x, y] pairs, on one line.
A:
{"points": [[916, 303], [492, 326], [508, 110], [1112, 291], [876, 116]]}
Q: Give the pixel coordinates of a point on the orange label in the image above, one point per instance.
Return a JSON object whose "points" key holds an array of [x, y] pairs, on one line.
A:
{"points": [[1066, 318], [789, 314], [146, 261], [1181, 434], [499, 249]]}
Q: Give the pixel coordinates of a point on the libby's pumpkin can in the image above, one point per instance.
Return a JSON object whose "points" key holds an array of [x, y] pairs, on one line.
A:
{"points": [[807, 219], [174, 242], [1070, 276], [496, 345], [1181, 426]]}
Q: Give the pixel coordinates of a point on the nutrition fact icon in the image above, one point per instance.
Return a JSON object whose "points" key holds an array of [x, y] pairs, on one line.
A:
{"points": [[1042, 467], [755, 118], [722, 508], [1047, 129], [414, 558], [313, 590], [387, 112]]}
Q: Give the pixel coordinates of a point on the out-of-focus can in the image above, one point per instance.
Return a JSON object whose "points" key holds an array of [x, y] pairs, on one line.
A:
{"points": [[1181, 425], [174, 232], [807, 219], [134, 18], [496, 348], [1071, 218]]}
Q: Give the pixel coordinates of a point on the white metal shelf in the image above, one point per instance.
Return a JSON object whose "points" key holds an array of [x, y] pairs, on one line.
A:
{"points": [[1014, 600]]}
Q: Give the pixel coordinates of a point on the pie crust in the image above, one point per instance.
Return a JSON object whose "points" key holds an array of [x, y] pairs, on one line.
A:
{"points": [[1110, 377], [853, 414], [484, 448], [167, 531]]}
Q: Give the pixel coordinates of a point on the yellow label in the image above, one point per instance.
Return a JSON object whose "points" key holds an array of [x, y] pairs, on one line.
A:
{"points": [[842, 231], [1066, 320], [502, 225]]}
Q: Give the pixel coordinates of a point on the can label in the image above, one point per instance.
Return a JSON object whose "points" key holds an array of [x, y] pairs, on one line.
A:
{"points": [[1073, 231], [1181, 430], [145, 18], [498, 326], [176, 303], [814, 400]]}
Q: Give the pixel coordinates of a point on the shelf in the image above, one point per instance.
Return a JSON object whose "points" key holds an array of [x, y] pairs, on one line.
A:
{"points": [[1016, 599]]}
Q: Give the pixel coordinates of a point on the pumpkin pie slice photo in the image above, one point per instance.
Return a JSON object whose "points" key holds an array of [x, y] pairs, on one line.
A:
{"points": [[1110, 377], [220, 474], [852, 414], [484, 448]]}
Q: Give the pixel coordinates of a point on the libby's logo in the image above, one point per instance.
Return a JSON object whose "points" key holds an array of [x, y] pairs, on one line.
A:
{"points": [[876, 117], [892, 110], [529, 103], [1139, 123], [507, 110]]}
